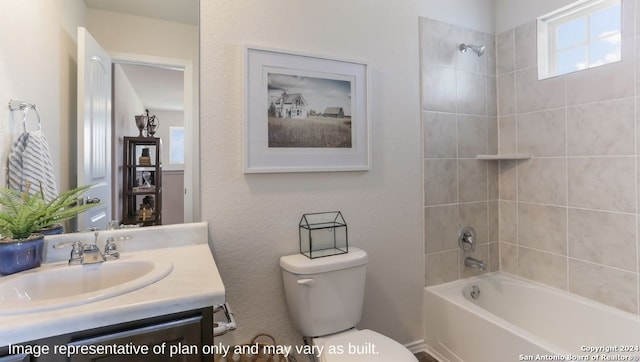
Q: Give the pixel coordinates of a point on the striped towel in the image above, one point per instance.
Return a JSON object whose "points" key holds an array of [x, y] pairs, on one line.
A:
{"points": [[30, 162]]}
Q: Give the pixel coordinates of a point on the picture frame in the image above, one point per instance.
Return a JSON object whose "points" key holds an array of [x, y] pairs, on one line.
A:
{"points": [[304, 113]]}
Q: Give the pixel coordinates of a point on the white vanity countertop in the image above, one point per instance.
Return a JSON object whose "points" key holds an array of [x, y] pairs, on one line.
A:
{"points": [[193, 283]]}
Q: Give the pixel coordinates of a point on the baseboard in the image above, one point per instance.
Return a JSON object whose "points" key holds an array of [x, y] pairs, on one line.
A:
{"points": [[417, 346], [435, 354]]}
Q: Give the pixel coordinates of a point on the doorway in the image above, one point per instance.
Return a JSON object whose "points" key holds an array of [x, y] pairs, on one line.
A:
{"points": [[164, 87]]}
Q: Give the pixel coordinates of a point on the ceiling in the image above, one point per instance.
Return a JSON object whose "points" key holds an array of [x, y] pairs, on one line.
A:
{"points": [[180, 11], [159, 88]]}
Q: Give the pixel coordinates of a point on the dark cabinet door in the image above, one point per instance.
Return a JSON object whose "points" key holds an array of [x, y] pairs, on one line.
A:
{"points": [[184, 336]]}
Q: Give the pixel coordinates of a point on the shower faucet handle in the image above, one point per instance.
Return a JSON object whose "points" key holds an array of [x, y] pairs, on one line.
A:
{"points": [[467, 238]]}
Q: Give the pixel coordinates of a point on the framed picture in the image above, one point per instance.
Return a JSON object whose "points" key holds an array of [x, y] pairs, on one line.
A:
{"points": [[304, 113]]}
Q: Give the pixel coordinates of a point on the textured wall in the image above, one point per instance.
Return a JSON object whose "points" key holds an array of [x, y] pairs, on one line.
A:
{"points": [[569, 216], [253, 217]]}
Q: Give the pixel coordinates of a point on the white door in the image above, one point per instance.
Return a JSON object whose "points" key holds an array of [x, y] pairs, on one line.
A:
{"points": [[94, 129]]}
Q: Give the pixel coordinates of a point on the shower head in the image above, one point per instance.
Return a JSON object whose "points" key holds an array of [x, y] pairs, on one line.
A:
{"points": [[478, 49]]}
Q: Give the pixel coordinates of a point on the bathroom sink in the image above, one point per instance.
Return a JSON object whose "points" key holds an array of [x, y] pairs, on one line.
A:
{"points": [[63, 285]]}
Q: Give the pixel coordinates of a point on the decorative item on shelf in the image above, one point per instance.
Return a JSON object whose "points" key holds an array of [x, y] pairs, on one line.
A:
{"points": [[148, 123], [323, 234], [146, 176], [145, 158], [23, 219], [145, 212], [141, 123], [149, 201]]}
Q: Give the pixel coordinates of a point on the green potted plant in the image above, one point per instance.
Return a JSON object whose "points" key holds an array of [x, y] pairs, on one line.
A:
{"points": [[22, 215]]}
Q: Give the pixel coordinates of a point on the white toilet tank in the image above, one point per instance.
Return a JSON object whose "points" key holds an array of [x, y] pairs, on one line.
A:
{"points": [[324, 295]]}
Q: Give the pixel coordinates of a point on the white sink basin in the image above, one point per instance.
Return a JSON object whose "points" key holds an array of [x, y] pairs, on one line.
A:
{"points": [[63, 285]]}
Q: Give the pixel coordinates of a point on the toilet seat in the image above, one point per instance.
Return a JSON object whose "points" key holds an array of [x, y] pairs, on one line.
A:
{"points": [[366, 345]]}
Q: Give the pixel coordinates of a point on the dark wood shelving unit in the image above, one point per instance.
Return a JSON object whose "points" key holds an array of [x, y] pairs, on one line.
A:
{"points": [[142, 181]]}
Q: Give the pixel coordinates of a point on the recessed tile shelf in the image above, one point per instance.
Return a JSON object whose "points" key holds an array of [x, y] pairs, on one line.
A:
{"points": [[506, 156]]}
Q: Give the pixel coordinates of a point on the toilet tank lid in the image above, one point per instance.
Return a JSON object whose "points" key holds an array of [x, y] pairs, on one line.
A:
{"points": [[300, 264]]}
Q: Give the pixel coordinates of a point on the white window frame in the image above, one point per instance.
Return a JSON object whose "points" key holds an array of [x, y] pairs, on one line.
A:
{"points": [[547, 27]]}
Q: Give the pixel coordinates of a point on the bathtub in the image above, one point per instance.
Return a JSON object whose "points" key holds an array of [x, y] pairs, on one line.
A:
{"points": [[513, 319]]}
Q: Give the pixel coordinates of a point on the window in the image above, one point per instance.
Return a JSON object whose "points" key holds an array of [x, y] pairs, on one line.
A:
{"points": [[176, 145], [582, 35]]}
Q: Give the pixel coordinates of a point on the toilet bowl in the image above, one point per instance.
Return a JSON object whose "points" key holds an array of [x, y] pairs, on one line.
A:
{"points": [[324, 298], [362, 345]]}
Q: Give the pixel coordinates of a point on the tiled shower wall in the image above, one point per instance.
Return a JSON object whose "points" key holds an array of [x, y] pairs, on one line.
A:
{"points": [[460, 122], [569, 216]]}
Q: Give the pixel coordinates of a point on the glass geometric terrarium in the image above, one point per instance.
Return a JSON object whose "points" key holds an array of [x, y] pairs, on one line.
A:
{"points": [[323, 234]]}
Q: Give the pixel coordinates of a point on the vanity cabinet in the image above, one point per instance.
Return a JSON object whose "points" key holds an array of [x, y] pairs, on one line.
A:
{"points": [[185, 332], [142, 181]]}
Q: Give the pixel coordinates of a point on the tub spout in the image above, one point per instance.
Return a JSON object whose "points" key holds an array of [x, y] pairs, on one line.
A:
{"points": [[474, 263]]}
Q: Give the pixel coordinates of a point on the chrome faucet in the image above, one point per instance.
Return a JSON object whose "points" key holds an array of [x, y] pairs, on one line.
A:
{"points": [[474, 263], [85, 253]]}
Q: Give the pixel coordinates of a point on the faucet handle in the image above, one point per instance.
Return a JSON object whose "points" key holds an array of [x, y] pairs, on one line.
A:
{"points": [[467, 238], [111, 248], [77, 250]]}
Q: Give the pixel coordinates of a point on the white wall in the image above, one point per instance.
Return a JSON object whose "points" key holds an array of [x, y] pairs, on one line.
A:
{"points": [[254, 218], [477, 14], [126, 105], [38, 65]]}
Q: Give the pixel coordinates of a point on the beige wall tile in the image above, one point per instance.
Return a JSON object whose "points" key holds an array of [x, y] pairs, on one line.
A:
{"points": [[494, 256], [605, 128], [603, 183], [505, 58], [610, 81], [436, 45], [472, 180], [603, 237], [526, 45], [441, 228], [440, 181], [542, 133], [494, 221], [471, 92], [543, 227], [440, 135], [508, 180], [508, 222], [493, 170], [472, 136], [543, 267], [507, 135], [614, 287], [441, 267], [492, 95], [476, 215], [536, 95], [509, 258], [490, 53], [543, 181], [492, 135], [439, 89], [506, 94]]}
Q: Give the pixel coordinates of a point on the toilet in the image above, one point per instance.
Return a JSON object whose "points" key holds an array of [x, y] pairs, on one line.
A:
{"points": [[324, 297]]}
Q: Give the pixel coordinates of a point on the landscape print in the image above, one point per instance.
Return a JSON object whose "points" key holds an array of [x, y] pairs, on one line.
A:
{"points": [[308, 112]]}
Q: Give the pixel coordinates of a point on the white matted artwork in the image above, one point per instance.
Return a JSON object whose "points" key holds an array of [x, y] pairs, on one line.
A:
{"points": [[304, 113]]}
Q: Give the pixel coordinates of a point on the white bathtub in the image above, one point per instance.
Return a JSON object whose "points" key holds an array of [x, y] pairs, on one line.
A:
{"points": [[517, 320]]}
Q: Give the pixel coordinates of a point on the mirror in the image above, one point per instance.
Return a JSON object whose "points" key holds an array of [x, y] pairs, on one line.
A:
{"points": [[38, 65]]}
